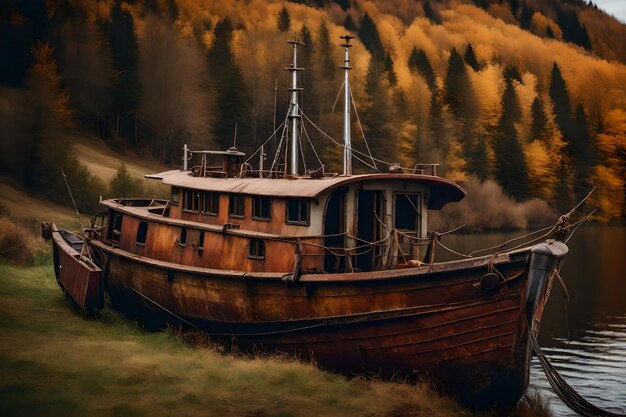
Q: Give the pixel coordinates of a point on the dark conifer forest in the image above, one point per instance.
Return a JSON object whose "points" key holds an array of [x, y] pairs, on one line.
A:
{"points": [[529, 95]]}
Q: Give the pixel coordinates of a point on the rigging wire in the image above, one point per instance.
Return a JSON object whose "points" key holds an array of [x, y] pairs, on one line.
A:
{"points": [[578, 223], [332, 110], [311, 143], [503, 244], [336, 142], [301, 147], [362, 132], [265, 143], [278, 149]]}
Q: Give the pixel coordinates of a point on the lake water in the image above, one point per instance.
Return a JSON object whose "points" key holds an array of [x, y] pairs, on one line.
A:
{"points": [[586, 338]]}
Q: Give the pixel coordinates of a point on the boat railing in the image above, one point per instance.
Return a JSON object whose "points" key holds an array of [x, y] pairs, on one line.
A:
{"points": [[399, 249], [425, 169], [214, 171], [141, 202]]}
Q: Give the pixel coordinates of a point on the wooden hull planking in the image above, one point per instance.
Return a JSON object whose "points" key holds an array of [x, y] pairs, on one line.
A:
{"points": [[388, 323], [79, 279]]}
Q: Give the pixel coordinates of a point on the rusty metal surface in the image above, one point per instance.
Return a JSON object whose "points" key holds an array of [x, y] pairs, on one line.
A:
{"points": [[270, 230], [389, 325], [228, 249], [443, 190], [267, 299]]}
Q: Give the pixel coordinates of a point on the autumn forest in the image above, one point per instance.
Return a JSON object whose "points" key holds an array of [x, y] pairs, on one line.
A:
{"points": [[524, 97]]}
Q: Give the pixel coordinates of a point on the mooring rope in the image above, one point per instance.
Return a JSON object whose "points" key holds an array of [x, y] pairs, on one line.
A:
{"points": [[566, 393]]}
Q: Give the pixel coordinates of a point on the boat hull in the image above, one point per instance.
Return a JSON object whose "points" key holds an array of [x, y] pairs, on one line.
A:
{"points": [[434, 321], [80, 279]]}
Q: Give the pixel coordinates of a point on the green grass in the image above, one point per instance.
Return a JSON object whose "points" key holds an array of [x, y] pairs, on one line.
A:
{"points": [[56, 362]]}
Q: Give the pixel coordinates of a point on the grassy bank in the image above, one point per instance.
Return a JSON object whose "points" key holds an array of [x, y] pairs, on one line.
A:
{"points": [[55, 362]]}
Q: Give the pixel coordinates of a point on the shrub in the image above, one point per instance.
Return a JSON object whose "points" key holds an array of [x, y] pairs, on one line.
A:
{"points": [[86, 187], [124, 185], [532, 404], [17, 244], [4, 211]]}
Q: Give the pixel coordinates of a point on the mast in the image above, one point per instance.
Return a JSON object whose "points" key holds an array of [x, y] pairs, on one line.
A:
{"points": [[294, 110], [347, 141]]}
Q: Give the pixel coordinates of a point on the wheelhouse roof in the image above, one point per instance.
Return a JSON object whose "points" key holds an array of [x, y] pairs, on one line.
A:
{"points": [[442, 190]]}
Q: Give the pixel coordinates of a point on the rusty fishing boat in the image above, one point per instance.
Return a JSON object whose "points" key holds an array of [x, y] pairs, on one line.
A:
{"points": [[337, 268]]}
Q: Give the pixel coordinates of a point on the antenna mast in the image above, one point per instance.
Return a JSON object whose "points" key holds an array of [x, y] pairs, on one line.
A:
{"points": [[347, 142], [294, 110]]}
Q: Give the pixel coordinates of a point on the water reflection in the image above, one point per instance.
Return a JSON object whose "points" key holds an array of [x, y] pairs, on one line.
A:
{"points": [[586, 338]]}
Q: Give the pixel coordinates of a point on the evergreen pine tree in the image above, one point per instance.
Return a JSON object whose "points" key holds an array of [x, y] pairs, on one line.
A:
{"points": [[514, 6], [582, 152], [480, 159], [392, 77], [306, 61], [539, 120], [511, 171], [510, 101], [562, 193], [526, 17], [306, 55], [151, 7], [231, 107], [419, 63], [560, 100], [344, 4], [459, 96], [124, 49], [284, 20], [16, 40], [457, 86], [436, 122], [172, 10], [573, 31], [483, 4], [432, 13], [325, 53], [369, 36], [512, 73], [470, 58], [348, 23], [377, 112]]}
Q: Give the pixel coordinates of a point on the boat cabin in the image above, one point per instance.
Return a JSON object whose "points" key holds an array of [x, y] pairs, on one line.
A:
{"points": [[326, 224], [228, 216]]}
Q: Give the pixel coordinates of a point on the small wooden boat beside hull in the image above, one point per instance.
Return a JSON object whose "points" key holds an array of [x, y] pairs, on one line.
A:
{"points": [[435, 319], [78, 276]]}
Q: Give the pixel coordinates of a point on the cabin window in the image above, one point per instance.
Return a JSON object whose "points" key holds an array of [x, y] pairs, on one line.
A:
{"points": [[175, 195], [142, 233], [298, 212], [183, 237], [191, 200], [211, 204], [115, 226], [201, 242], [407, 211], [257, 249], [236, 206], [262, 209]]}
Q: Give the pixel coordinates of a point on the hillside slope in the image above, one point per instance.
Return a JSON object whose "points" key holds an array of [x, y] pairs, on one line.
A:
{"points": [[529, 94]]}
